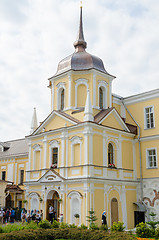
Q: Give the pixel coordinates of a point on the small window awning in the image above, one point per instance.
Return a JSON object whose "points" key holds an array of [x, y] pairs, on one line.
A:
{"points": [[141, 207]]}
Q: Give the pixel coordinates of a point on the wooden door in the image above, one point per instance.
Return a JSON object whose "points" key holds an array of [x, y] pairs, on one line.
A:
{"points": [[114, 210]]}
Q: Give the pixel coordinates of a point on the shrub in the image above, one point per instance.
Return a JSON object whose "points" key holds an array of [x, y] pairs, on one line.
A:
{"points": [[103, 227], [64, 225], [83, 226], [55, 224], [143, 230], [45, 224], [94, 226], [117, 227], [72, 226]]}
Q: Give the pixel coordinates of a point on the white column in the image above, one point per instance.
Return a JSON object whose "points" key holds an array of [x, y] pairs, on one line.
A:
{"points": [[86, 148], [94, 90], [123, 205], [119, 156], [69, 91], [52, 104], [66, 169], [110, 93], [45, 151], [28, 168], [62, 153], [15, 174]]}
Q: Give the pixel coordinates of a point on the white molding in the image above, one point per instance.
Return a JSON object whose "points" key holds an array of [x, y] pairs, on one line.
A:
{"points": [[75, 171], [52, 95], [54, 144], [3, 167], [147, 161], [123, 205], [80, 81], [103, 84], [69, 91], [61, 86], [149, 138], [45, 150], [142, 97], [21, 165], [126, 174], [97, 171], [110, 94], [75, 140], [145, 123], [94, 90]]}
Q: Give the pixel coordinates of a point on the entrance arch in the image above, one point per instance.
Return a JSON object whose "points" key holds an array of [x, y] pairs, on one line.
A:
{"points": [[114, 211], [52, 198]]}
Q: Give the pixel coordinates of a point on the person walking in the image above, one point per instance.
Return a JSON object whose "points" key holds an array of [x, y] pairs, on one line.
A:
{"points": [[104, 218]]}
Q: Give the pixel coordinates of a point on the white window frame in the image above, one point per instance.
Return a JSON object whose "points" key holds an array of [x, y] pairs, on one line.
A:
{"points": [[103, 85], [20, 176], [54, 144], [80, 81], [76, 140], [147, 158], [145, 119], [60, 86], [36, 148]]}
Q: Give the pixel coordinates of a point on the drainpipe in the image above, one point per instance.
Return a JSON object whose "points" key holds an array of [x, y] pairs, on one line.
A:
{"points": [[141, 178]]}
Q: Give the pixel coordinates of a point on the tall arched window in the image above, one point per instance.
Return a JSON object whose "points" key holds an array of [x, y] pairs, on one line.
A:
{"points": [[110, 154], [100, 98], [62, 100]]}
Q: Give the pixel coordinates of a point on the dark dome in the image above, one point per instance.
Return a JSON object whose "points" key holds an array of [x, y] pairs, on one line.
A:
{"points": [[80, 60]]}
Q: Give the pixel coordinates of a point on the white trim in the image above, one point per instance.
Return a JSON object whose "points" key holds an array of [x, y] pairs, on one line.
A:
{"points": [[75, 195], [52, 95], [147, 160], [103, 85], [80, 81], [94, 90], [149, 138], [36, 148], [110, 94], [54, 144], [45, 150], [69, 91], [75, 140], [142, 97], [60, 86], [123, 205], [118, 118], [145, 122]]}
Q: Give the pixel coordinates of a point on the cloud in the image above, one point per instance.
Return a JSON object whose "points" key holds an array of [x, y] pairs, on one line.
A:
{"points": [[36, 35]]}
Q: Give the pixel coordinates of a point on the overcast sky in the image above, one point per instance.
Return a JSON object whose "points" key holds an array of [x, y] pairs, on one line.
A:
{"points": [[36, 34]]}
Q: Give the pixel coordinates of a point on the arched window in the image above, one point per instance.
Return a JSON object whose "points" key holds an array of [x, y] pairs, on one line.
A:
{"points": [[62, 100], [100, 98], [110, 154], [54, 155]]}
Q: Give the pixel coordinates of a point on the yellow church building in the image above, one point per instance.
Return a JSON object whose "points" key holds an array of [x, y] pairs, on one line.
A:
{"points": [[96, 150]]}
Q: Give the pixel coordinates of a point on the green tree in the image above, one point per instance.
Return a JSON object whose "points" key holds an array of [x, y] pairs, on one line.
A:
{"points": [[91, 218]]}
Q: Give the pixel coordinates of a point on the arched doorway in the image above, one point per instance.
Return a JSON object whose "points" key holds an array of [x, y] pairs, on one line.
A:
{"points": [[52, 199], [9, 201], [114, 210]]}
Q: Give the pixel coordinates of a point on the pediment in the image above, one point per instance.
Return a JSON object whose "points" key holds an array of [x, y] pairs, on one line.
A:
{"points": [[114, 120], [51, 176], [56, 120]]}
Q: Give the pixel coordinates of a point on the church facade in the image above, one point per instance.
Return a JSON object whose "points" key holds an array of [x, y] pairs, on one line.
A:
{"points": [[95, 150]]}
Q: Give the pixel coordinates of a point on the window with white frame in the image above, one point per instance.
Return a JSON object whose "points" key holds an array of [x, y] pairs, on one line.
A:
{"points": [[21, 176], [54, 153], [102, 94], [152, 158], [149, 117]]}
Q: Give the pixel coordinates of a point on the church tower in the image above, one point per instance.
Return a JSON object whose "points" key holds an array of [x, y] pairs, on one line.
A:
{"points": [[78, 73]]}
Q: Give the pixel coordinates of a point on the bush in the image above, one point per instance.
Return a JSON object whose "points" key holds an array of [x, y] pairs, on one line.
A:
{"points": [[55, 224], [143, 230], [83, 226], [117, 227], [72, 226], [93, 226], [103, 227], [69, 233], [64, 225], [45, 224]]}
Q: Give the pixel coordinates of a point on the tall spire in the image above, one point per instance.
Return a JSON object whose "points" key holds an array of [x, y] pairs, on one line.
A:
{"points": [[80, 43], [88, 112], [34, 123]]}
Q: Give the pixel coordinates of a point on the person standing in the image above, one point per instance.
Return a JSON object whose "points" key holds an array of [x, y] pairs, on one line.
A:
{"points": [[104, 218], [51, 212], [1, 216], [7, 215], [12, 215]]}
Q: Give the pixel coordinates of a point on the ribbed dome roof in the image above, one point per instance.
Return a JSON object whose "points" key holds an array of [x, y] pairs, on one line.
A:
{"points": [[80, 59]]}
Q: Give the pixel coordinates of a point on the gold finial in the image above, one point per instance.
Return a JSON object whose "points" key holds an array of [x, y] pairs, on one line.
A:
{"points": [[80, 4]]}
